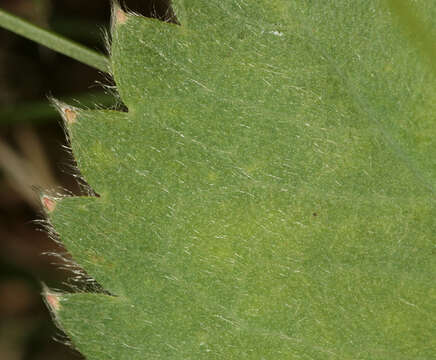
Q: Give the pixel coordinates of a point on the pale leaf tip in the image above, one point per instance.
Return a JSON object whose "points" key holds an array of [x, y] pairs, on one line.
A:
{"points": [[48, 203], [51, 298], [53, 301], [119, 15], [70, 115]]}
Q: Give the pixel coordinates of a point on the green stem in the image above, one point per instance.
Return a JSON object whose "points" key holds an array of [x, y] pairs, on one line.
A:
{"points": [[54, 41]]}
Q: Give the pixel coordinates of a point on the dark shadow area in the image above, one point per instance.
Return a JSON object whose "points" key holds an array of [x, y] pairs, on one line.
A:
{"points": [[157, 9]]}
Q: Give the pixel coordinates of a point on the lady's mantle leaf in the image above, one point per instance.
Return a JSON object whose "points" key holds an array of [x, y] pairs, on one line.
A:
{"points": [[268, 195]]}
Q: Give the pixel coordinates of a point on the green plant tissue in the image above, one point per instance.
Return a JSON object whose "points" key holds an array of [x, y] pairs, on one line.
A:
{"points": [[270, 193]]}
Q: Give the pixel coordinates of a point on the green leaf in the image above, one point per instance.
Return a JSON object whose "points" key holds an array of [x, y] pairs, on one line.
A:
{"points": [[268, 195]]}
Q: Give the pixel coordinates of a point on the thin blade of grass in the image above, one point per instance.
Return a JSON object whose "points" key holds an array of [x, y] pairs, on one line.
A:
{"points": [[54, 41]]}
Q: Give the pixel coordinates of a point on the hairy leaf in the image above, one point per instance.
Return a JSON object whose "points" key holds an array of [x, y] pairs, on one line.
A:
{"points": [[269, 194]]}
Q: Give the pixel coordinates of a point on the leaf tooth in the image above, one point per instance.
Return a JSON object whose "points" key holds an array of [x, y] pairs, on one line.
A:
{"points": [[49, 203], [70, 116], [119, 16], [68, 112], [52, 299]]}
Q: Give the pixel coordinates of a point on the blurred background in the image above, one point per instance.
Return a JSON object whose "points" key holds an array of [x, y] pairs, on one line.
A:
{"points": [[33, 157]]}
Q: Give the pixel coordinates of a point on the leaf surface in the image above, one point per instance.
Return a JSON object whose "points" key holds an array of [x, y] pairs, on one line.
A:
{"points": [[268, 195]]}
